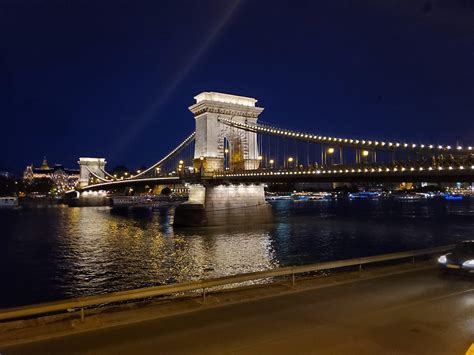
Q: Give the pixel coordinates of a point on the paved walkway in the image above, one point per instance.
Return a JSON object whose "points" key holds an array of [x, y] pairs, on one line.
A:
{"points": [[418, 312]]}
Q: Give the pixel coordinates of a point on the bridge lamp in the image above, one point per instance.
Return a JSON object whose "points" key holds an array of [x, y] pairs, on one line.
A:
{"points": [[125, 173], [181, 162], [260, 157], [139, 171], [365, 153], [290, 159], [226, 151], [330, 150], [115, 175], [271, 161]]}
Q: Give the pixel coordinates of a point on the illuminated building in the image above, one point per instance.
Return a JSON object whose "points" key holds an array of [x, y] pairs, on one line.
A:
{"points": [[63, 179]]}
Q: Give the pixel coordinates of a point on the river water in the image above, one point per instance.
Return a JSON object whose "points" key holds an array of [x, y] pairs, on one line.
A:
{"points": [[49, 253]]}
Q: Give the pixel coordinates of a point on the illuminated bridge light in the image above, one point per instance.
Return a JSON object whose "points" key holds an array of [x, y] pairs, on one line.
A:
{"points": [[422, 146], [395, 169], [470, 148], [448, 147], [461, 167], [397, 144], [403, 169], [413, 145], [412, 169], [430, 168], [450, 168], [440, 168], [376, 143], [351, 140], [459, 147], [363, 142], [357, 141], [359, 170], [369, 142], [421, 168], [405, 145], [440, 147]]}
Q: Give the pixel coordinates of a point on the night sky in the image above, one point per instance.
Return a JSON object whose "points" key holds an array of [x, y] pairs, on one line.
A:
{"points": [[114, 78]]}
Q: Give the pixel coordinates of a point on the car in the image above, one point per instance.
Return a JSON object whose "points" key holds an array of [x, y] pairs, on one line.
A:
{"points": [[461, 258]]}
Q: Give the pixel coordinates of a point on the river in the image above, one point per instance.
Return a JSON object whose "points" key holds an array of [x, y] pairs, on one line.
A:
{"points": [[57, 252]]}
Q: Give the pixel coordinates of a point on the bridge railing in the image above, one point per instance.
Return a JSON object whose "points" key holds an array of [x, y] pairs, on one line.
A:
{"points": [[203, 285]]}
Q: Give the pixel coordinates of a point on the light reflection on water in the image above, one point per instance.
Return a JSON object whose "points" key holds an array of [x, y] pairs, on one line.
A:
{"points": [[53, 253]]}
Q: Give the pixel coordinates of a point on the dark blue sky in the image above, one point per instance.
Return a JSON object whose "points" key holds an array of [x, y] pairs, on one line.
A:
{"points": [[115, 78]]}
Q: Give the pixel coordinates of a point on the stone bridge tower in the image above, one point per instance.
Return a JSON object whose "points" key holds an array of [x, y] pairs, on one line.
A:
{"points": [[88, 165], [211, 134]]}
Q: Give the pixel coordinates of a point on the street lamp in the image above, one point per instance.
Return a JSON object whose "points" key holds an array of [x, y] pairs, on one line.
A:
{"points": [[290, 160]]}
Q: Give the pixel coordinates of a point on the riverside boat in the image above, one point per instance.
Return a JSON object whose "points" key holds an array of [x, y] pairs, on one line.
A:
{"points": [[365, 195], [8, 202]]}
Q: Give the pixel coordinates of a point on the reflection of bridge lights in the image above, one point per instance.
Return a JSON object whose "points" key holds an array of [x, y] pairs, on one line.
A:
{"points": [[330, 150]]}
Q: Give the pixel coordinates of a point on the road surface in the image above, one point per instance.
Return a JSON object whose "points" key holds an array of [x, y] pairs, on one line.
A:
{"points": [[417, 312]]}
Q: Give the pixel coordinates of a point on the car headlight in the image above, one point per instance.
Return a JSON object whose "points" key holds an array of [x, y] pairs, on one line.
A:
{"points": [[468, 263], [443, 259]]}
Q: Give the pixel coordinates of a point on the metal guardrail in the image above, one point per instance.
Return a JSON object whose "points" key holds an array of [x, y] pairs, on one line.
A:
{"points": [[141, 293]]}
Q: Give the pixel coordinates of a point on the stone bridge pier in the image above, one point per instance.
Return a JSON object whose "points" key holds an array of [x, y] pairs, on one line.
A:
{"points": [[219, 147]]}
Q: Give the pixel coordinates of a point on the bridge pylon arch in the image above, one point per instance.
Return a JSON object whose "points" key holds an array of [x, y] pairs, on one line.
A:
{"points": [[211, 133]]}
